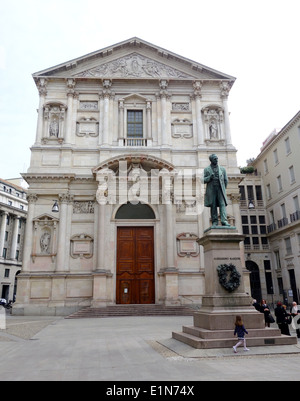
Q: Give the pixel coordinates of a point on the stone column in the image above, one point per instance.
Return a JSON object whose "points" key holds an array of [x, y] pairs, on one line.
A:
{"points": [[106, 93], [32, 199], [149, 122], [163, 96], [42, 92], [15, 238], [63, 241], [225, 88], [70, 94], [197, 95], [121, 122], [2, 232]]}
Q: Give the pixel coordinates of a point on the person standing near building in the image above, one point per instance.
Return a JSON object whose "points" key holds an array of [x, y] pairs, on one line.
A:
{"points": [[295, 312]]}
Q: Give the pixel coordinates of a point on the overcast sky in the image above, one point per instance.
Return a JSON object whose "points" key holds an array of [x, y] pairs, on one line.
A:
{"points": [[255, 41]]}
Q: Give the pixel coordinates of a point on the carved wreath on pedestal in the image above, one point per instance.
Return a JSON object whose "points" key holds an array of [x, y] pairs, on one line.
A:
{"points": [[229, 277]]}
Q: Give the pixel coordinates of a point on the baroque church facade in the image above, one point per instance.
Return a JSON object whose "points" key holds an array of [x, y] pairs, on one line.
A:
{"points": [[123, 136]]}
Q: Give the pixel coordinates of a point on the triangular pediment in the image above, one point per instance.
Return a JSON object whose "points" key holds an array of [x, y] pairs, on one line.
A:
{"points": [[133, 59], [134, 66]]}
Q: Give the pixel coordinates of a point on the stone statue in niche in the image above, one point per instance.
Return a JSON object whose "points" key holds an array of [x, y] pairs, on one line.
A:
{"points": [[213, 130], [54, 128], [45, 243]]}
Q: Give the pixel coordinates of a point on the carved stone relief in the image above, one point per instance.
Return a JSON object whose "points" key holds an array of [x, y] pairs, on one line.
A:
{"points": [[87, 127], [87, 207], [88, 106], [187, 245], [82, 246], [182, 128], [134, 66]]}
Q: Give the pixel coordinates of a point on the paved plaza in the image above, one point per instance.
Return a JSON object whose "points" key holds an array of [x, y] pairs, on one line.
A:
{"points": [[129, 349]]}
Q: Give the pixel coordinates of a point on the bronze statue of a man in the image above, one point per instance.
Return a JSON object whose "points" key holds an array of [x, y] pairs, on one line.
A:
{"points": [[216, 179]]}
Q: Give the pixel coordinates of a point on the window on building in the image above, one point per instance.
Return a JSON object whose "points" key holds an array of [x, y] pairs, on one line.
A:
{"points": [[269, 194], [244, 219], [6, 236], [287, 146], [250, 192], [283, 210], [242, 192], [254, 230], [288, 246], [266, 168], [262, 219], [258, 191], [279, 183], [277, 259], [134, 124], [275, 154], [17, 254], [296, 203], [292, 174], [4, 253], [268, 275], [263, 229], [19, 238], [6, 273]]}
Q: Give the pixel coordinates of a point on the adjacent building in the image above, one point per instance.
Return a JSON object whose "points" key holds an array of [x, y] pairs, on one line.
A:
{"points": [[13, 213], [115, 181], [272, 223]]}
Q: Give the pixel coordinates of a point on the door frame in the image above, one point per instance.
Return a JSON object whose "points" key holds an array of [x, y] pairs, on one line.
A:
{"points": [[133, 224]]}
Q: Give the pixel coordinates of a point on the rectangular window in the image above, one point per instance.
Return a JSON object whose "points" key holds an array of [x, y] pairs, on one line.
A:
{"points": [[277, 258], [244, 219], [275, 154], [266, 168], [6, 273], [279, 183], [258, 192], [4, 253], [288, 246], [269, 194], [242, 192], [134, 124], [287, 146], [296, 203], [292, 174]]}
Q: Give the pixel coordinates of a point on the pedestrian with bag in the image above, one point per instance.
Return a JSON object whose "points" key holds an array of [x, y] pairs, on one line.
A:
{"points": [[240, 331], [264, 308], [281, 320]]}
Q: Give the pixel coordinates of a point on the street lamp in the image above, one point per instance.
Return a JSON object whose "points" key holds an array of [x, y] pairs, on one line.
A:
{"points": [[251, 205], [55, 207]]}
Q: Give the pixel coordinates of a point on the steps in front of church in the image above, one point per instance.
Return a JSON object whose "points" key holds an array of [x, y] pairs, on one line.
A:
{"points": [[132, 310]]}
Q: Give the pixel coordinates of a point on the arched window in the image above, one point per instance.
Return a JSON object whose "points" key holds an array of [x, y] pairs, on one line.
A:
{"points": [[139, 211]]}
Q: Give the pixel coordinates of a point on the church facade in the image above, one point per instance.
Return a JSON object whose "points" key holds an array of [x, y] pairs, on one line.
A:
{"points": [[123, 136]]}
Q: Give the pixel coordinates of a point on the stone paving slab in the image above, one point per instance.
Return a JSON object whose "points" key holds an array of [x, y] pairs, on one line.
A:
{"points": [[187, 351], [125, 349]]}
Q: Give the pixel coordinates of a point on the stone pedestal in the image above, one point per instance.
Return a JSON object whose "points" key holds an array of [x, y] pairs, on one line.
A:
{"points": [[214, 322]]}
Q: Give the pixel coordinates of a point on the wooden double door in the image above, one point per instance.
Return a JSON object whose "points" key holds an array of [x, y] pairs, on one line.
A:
{"points": [[135, 265]]}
